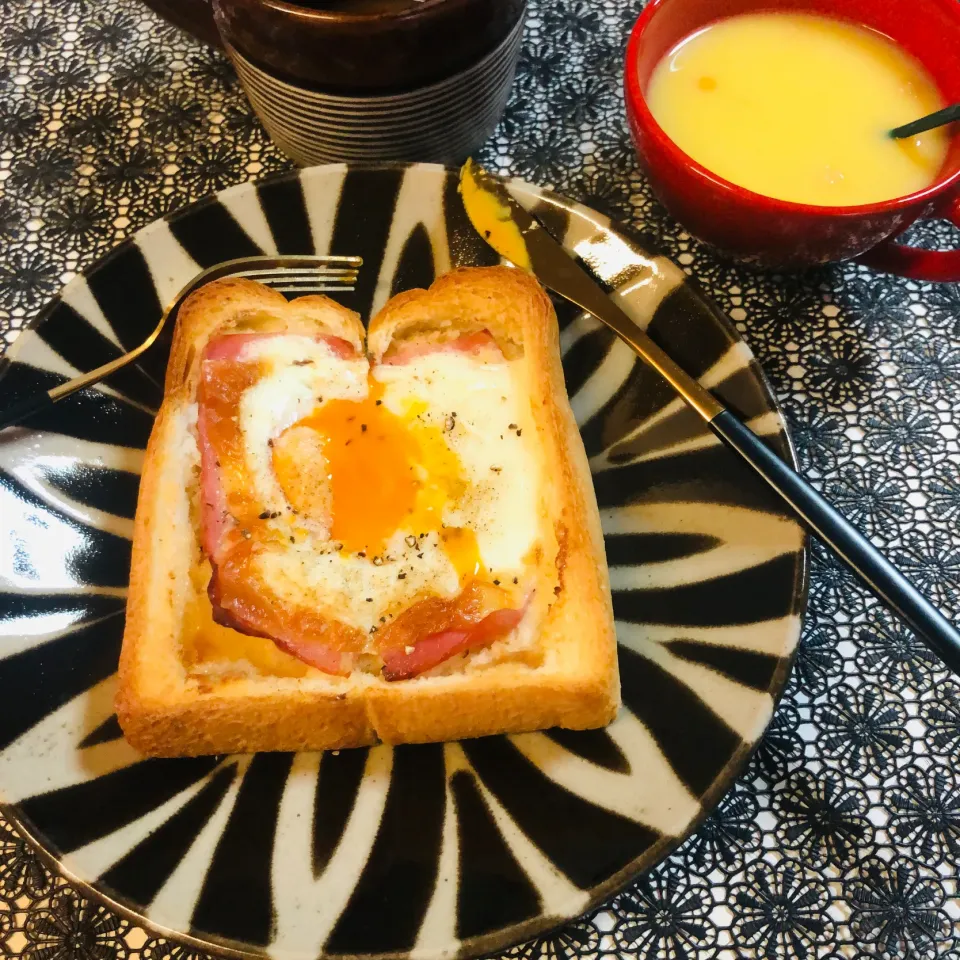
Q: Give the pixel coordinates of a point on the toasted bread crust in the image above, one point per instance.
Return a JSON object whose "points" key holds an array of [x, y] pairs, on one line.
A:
{"points": [[164, 713], [463, 301]]}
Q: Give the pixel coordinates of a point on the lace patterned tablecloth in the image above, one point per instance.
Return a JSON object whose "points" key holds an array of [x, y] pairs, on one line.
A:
{"points": [[842, 839]]}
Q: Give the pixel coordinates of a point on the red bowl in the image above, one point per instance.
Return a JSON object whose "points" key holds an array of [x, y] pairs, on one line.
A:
{"points": [[776, 233]]}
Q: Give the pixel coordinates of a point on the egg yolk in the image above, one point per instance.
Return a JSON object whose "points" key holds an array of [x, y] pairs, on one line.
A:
{"points": [[460, 545], [381, 472]]}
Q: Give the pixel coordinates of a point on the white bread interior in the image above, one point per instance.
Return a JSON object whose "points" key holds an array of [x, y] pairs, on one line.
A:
{"points": [[165, 711]]}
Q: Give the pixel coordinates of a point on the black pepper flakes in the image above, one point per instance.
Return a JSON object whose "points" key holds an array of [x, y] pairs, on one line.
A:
{"points": [[496, 583], [292, 538], [519, 432], [379, 402], [401, 576], [410, 540], [265, 515], [363, 428], [369, 599], [270, 441], [511, 426], [496, 469], [515, 580], [302, 363]]}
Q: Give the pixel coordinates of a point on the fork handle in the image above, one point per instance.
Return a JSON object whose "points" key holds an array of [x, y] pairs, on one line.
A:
{"points": [[866, 561], [25, 407]]}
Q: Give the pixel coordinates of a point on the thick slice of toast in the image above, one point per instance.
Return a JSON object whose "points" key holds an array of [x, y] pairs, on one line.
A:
{"points": [[167, 709]]}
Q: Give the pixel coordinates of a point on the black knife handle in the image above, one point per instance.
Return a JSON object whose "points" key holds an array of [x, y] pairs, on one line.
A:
{"points": [[23, 408], [870, 565]]}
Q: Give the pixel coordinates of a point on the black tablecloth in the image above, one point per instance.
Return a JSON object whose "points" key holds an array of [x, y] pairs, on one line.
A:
{"points": [[842, 839]]}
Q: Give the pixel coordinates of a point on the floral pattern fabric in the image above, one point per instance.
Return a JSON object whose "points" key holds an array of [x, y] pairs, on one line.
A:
{"points": [[842, 837]]}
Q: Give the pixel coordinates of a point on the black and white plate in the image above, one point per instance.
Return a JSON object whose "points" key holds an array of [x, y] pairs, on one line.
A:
{"points": [[424, 851]]}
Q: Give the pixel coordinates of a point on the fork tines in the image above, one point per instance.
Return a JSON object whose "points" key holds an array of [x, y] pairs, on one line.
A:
{"points": [[306, 273], [308, 276]]}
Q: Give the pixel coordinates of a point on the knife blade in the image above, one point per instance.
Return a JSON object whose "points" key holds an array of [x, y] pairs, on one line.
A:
{"points": [[520, 238]]}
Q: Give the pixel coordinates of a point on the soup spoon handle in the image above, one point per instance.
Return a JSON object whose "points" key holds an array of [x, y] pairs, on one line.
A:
{"points": [[931, 120], [517, 235]]}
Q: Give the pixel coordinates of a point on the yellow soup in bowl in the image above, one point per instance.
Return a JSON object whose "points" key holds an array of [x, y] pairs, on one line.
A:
{"points": [[799, 107]]}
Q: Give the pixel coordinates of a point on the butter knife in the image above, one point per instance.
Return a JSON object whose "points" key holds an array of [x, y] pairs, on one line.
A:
{"points": [[520, 238]]}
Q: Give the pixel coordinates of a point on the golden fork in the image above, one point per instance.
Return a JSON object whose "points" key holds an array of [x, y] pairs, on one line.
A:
{"points": [[288, 274]]}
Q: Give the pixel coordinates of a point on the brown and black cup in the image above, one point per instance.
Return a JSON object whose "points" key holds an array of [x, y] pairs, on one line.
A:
{"points": [[370, 80]]}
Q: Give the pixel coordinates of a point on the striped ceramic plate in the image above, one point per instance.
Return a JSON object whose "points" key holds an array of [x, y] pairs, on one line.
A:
{"points": [[435, 851]]}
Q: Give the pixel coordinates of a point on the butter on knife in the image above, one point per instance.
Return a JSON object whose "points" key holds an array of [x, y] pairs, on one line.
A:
{"points": [[491, 217]]}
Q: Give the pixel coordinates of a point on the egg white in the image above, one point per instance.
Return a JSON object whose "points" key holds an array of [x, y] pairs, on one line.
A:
{"points": [[485, 413], [338, 585], [485, 417]]}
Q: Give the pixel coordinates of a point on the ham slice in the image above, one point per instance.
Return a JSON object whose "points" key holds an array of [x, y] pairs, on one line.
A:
{"points": [[241, 601], [433, 630], [214, 518], [256, 622], [432, 650], [478, 343], [231, 345], [222, 383], [224, 376]]}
